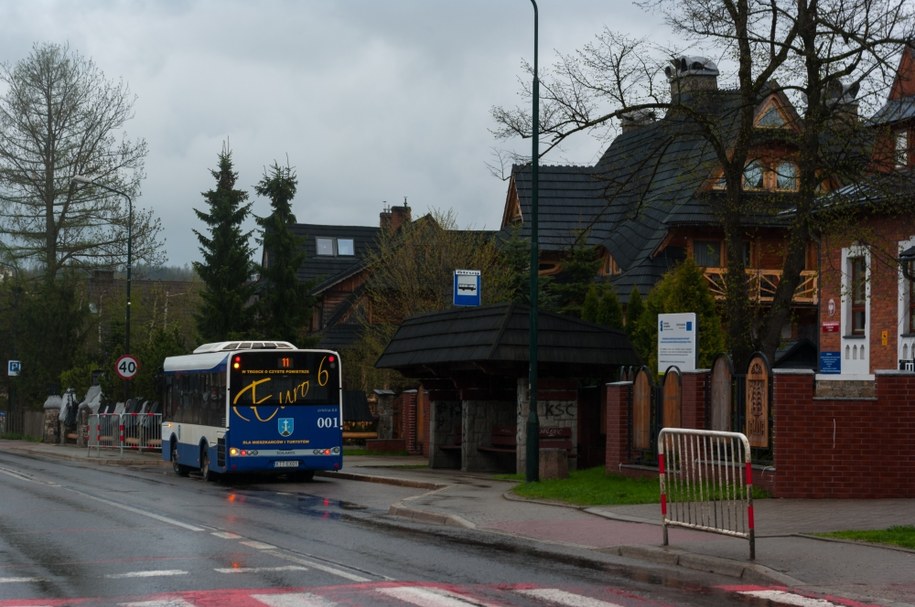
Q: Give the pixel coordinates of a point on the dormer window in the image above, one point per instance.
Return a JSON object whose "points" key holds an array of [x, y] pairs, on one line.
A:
{"points": [[771, 117], [334, 247], [780, 176]]}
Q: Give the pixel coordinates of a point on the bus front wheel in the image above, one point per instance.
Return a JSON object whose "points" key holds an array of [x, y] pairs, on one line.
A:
{"points": [[205, 472], [179, 469]]}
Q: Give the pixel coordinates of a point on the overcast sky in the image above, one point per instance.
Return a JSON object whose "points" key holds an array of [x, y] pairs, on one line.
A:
{"points": [[372, 101]]}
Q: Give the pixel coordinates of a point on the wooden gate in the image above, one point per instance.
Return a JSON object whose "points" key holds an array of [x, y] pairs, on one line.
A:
{"points": [[673, 399], [721, 395], [644, 418], [757, 402]]}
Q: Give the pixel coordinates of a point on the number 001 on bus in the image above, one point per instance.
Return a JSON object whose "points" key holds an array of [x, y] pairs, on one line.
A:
{"points": [[253, 407]]}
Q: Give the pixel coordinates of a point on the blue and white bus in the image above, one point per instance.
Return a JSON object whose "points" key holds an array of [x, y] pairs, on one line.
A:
{"points": [[253, 407]]}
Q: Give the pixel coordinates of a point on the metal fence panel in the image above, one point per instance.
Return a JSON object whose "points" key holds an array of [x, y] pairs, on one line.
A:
{"points": [[124, 431], [706, 482]]}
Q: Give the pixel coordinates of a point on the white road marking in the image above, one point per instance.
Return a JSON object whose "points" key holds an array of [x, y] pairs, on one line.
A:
{"points": [[151, 573], [561, 597], [19, 580], [789, 598], [162, 519], [311, 564], [226, 535], [258, 545], [15, 474], [259, 569], [299, 599], [177, 602], [430, 597]]}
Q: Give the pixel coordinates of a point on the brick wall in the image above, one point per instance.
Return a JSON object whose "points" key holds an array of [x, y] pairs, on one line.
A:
{"points": [[860, 447], [844, 448], [617, 431], [692, 409], [883, 234]]}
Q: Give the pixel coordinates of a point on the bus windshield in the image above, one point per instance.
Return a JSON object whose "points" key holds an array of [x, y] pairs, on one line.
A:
{"points": [[276, 378]]}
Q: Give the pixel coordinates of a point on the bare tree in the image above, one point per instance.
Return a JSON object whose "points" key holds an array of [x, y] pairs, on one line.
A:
{"points": [[411, 271], [824, 55], [59, 118]]}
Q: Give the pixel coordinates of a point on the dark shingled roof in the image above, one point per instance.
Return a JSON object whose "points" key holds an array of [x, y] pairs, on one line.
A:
{"points": [[650, 179], [496, 339], [326, 270]]}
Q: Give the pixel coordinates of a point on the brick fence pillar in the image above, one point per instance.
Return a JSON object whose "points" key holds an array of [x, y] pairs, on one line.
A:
{"points": [[617, 425]]}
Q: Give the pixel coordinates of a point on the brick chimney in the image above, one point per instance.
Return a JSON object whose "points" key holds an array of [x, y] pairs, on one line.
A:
{"points": [[392, 217], [690, 75]]}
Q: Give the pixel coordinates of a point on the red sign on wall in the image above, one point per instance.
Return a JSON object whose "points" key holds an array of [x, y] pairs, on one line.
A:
{"points": [[830, 327]]}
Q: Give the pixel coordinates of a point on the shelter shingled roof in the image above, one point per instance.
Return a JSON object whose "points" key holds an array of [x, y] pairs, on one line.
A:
{"points": [[495, 340]]}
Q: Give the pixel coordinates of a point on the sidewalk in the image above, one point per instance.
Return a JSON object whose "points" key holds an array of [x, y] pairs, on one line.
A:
{"points": [[787, 555]]}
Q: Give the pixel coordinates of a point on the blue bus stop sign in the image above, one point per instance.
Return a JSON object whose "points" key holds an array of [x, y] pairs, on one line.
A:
{"points": [[467, 287]]}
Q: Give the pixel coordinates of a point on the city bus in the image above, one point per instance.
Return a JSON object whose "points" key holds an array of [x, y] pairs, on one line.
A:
{"points": [[241, 407]]}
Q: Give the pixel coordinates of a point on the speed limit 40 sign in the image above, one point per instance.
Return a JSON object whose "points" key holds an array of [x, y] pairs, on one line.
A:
{"points": [[127, 366]]}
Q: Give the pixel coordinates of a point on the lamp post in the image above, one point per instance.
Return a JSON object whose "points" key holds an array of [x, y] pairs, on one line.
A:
{"points": [[89, 181], [532, 453]]}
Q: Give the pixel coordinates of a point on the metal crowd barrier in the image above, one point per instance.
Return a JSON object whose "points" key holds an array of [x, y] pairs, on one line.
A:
{"points": [[707, 482], [124, 431]]}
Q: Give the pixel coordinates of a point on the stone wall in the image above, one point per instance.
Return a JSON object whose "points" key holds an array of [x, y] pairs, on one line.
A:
{"points": [[557, 407], [445, 429]]}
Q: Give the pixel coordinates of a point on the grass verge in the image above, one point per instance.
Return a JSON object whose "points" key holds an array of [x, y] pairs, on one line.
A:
{"points": [[902, 536], [593, 487]]}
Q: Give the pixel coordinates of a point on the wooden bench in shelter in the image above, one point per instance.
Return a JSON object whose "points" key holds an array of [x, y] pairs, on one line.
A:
{"points": [[454, 442], [504, 439]]}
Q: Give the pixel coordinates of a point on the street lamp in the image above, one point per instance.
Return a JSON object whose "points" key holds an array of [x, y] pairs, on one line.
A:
{"points": [[88, 181], [532, 453]]}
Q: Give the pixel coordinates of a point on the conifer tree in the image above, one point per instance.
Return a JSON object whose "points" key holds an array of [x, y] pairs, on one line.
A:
{"points": [[283, 304], [634, 310], [226, 268], [610, 312], [591, 306]]}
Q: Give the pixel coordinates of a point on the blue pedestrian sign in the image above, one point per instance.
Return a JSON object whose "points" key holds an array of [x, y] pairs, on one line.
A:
{"points": [[466, 287]]}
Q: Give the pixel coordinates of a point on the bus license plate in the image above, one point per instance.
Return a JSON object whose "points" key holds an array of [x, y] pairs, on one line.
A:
{"points": [[286, 464]]}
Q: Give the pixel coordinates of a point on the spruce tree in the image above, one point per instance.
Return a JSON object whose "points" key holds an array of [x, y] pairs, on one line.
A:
{"points": [[283, 304], [610, 312], [633, 310], [226, 268]]}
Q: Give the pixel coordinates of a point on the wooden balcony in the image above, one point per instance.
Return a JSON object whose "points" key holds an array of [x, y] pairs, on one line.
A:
{"points": [[761, 285]]}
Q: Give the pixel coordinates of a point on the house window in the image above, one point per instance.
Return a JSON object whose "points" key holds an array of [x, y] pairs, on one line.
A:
{"points": [[771, 118], [345, 246], [786, 176], [707, 253], [753, 175], [910, 291], [902, 148], [334, 246], [857, 271], [325, 246]]}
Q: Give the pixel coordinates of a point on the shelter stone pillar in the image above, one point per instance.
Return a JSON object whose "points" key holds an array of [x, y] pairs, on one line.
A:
{"points": [[385, 415]]}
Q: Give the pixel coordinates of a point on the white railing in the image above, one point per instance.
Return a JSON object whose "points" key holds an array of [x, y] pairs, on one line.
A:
{"points": [[706, 482], [121, 431]]}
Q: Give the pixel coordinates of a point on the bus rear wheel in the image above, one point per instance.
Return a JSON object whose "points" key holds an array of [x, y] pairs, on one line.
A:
{"points": [[179, 469]]}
